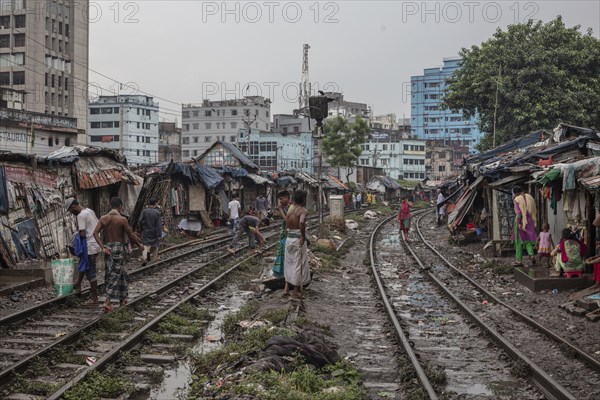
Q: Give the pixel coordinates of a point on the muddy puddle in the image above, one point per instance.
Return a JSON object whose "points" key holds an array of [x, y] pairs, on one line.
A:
{"points": [[177, 377]]}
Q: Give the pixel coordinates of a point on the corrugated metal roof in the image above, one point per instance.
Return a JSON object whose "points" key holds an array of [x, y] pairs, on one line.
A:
{"points": [[258, 179], [338, 182], [591, 183], [237, 153], [94, 172]]}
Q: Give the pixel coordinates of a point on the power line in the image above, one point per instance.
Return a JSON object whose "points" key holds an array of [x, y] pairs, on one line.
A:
{"points": [[101, 74]]}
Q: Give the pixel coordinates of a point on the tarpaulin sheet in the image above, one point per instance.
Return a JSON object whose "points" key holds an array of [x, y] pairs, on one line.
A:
{"points": [[286, 181], [235, 172], [186, 171], [209, 177]]}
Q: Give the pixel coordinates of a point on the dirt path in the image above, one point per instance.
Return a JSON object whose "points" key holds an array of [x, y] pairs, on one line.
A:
{"points": [[346, 301]]}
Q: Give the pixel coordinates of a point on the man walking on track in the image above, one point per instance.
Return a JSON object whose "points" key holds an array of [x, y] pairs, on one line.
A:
{"points": [[150, 225], [86, 223], [114, 227], [297, 274], [234, 208]]}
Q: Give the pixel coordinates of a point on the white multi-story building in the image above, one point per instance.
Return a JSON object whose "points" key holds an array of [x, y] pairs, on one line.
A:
{"points": [[400, 158], [203, 124], [126, 123], [347, 109], [44, 53]]}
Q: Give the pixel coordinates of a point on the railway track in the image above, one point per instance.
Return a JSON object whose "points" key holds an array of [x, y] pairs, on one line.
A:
{"points": [[526, 349], [56, 329], [557, 367], [451, 359]]}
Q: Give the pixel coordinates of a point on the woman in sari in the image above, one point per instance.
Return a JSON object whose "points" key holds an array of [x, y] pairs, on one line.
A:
{"points": [[524, 233], [569, 253]]}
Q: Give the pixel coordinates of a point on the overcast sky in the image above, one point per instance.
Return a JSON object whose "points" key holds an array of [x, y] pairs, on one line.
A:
{"points": [[184, 51]]}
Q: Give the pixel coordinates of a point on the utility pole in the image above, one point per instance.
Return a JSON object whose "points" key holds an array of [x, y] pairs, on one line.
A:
{"points": [[248, 123]]}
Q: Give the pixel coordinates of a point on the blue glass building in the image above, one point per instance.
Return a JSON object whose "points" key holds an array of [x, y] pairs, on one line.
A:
{"points": [[429, 120]]}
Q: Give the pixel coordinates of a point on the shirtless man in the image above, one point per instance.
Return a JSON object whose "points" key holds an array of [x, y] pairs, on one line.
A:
{"points": [[296, 270], [114, 228]]}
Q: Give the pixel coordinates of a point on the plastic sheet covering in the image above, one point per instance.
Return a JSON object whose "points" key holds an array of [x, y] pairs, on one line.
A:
{"points": [[259, 180], [235, 172], [224, 201], [129, 194], [286, 181], [186, 171], [3, 192], [62, 273], [209, 177]]}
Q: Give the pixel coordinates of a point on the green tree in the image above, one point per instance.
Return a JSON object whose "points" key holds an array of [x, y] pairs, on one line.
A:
{"points": [[342, 142], [543, 74]]}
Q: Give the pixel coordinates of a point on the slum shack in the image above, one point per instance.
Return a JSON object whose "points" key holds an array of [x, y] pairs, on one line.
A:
{"points": [[35, 226], [387, 188], [235, 167], [187, 192], [539, 162]]}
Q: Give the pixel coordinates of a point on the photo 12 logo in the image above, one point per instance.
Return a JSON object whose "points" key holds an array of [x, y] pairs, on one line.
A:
{"points": [[126, 12], [274, 91], [253, 12], [468, 11]]}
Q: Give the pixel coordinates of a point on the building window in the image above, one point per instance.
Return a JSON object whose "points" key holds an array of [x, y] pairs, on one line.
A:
{"points": [[4, 40], [207, 125], [67, 31], [19, 21], [208, 139], [95, 125], [50, 142], [19, 78], [186, 153], [94, 111], [384, 162], [186, 127], [147, 139], [234, 112], [5, 21], [232, 138], [115, 109], [195, 113], [384, 147], [196, 126], [296, 129], [19, 40], [207, 113], [196, 139], [106, 124], [185, 114], [4, 78], [138, 125], [106, 110], [67, 141], [233, 125], [441, 168], [195, 153], [185, 140]]}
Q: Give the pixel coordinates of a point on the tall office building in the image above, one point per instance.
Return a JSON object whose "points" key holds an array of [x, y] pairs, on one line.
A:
{"points": [[44, 55], [429, 119]]}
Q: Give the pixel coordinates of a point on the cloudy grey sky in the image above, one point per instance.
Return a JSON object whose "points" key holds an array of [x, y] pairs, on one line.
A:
{"points": [[184, 51]]}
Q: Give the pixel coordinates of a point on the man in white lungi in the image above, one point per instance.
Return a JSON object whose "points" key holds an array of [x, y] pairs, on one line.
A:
{"points": [[296, 270]]}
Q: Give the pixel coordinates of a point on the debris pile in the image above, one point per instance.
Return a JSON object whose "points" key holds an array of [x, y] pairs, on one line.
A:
{"points": [[280, 352]]}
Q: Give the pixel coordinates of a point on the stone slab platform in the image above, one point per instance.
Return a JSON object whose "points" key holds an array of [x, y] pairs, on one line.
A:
{"points": [[537, 281]]}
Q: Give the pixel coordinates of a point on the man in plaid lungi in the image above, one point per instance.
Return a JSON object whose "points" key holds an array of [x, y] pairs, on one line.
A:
{"points": [[114, 228]]}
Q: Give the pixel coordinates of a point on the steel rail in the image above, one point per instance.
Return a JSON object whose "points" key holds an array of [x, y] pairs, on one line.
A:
{"points": [[204, 247], [547, 385], [404, 342], [580, 354], [73, 336], [132, 340]]}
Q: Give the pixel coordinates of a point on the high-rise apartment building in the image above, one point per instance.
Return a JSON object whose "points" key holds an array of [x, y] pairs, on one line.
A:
{"points": [[44, 54], [204, 124], [429, 119], [128, 124]]}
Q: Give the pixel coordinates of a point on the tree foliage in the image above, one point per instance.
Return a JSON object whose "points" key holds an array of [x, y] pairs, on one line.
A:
{"points": [[549, 73], [342, 143]]}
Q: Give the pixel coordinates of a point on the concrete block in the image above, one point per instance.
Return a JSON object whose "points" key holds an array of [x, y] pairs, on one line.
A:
{"points": [[157, 359], [531, 280]]}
